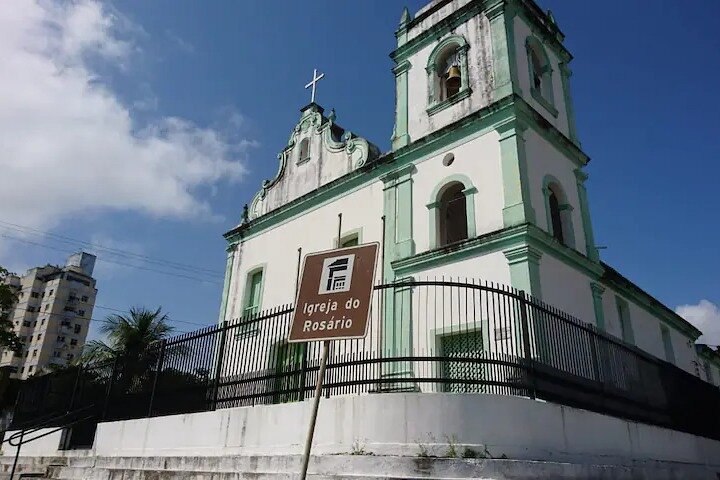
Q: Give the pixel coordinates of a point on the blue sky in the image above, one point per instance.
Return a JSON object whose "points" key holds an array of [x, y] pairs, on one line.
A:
{"points": [[205, 94]]}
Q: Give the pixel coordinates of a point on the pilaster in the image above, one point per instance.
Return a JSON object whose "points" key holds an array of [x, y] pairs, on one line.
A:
{"points": [[516, 187], [502, 31], [597, 293], [229, 264], [590, 248], [400, 132], [397, 192], [565, 74], [524, 262]]}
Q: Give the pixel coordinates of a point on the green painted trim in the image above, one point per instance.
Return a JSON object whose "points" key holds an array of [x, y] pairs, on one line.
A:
{"points": [[505, 68], [347, 235], [499, 240], [478, 123], [516, 184], [565, 74], [262, 267], [542, 26], [461, 47], [613, 279], [668, 348], [537, 96], [590, 248], [524, 263], [627, 331], [400, 136], [565, 209], [458, 97], [597, 296], [397, 208], [433, 205], [458, 40], [398, 328], [231, 249], [314, 123], [707, 353], [431, 34], [528, 115], [401, 33], [547, 101]]}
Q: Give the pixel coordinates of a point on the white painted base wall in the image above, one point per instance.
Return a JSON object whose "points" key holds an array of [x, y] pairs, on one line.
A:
{"points": [[401, 424]]}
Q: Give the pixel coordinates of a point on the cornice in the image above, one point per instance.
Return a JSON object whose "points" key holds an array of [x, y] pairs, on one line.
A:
{"points": [[643, 299]]}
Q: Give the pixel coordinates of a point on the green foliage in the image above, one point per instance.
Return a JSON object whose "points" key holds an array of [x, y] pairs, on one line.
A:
{"points": [[472, 453], [452, 451], [128, 336], [8, 297]]}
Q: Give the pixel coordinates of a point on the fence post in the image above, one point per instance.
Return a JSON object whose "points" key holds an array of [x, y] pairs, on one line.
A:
{"points": [[158, 369], [218, 367], [525, 328], [71, 405], [111, 384], [595, 359], [303, 372]]}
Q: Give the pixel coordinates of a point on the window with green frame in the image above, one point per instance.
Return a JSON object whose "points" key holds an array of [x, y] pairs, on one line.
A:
{"points": [[350, 241], [253, 293], [667, 344], [541, 74], [626, 329]]}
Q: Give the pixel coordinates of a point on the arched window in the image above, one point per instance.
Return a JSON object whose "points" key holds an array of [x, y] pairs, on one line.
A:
{"points": [[447, 73], [559, 212], [304, 151], [541, 83], [555, 217], [453, 214]]}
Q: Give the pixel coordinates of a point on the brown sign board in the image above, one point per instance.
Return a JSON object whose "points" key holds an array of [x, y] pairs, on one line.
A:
{"points": [[333, 301]]}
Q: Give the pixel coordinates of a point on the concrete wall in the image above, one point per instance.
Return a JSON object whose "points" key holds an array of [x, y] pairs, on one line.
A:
{"points": [[42, 447], [403, 424]]}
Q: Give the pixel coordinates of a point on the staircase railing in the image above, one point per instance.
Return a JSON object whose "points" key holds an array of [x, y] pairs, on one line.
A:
{"points": [[64, 420]]}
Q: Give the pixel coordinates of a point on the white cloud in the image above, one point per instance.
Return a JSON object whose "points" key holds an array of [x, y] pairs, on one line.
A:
{"points": [[68, 144], [706, 317], [114, 257]]}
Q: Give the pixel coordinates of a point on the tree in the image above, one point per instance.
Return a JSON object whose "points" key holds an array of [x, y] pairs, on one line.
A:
{"points": [[8, 297], [129, 336]]}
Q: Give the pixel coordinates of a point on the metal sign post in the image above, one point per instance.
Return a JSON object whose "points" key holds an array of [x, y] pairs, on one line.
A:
{"points": [[333, 302]]}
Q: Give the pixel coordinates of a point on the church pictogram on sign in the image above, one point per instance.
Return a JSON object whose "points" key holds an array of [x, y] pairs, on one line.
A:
{"points": [[336, 274], [335, 293]]}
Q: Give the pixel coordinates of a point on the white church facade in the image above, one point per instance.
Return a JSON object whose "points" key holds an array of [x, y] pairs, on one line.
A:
{"points": [[485, 180], [499, 344]]}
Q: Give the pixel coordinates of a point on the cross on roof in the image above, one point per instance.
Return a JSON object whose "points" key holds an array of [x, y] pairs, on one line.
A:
{"points": [[313, 83]]}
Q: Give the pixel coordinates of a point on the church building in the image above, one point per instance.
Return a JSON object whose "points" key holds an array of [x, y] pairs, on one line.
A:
{"points": [[499, 344], [485, 180]]}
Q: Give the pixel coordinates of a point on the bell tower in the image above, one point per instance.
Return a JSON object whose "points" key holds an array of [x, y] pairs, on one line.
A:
{"points": [[486, 84]]}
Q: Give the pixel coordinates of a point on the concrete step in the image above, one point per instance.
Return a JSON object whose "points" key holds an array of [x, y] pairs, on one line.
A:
{"points": [[365, 467]]}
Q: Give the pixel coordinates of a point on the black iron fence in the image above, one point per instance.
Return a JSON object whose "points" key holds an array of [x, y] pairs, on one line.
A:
{"points": [[424, 336]]}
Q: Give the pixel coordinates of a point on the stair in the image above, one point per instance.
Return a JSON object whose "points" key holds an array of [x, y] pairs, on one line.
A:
{"points": [[356, 467]]}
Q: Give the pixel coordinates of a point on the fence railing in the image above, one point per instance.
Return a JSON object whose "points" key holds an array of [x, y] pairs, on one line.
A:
{"points": [[423, 336]]}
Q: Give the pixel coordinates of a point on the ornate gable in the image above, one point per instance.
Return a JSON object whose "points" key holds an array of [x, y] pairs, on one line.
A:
{"points": [[318, 152]]}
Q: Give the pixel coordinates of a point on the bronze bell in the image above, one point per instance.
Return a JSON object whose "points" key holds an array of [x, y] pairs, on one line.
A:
{"points": [[453, 80]]}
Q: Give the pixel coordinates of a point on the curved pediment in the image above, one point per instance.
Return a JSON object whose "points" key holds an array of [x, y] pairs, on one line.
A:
{"points": [[318, 152]]}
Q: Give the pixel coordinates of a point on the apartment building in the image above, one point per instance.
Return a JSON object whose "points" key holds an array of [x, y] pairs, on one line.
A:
{"points": [[52, 315]]}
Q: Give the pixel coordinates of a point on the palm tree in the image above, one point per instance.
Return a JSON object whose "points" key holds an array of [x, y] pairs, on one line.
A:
{"points": [[129, 336]]}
